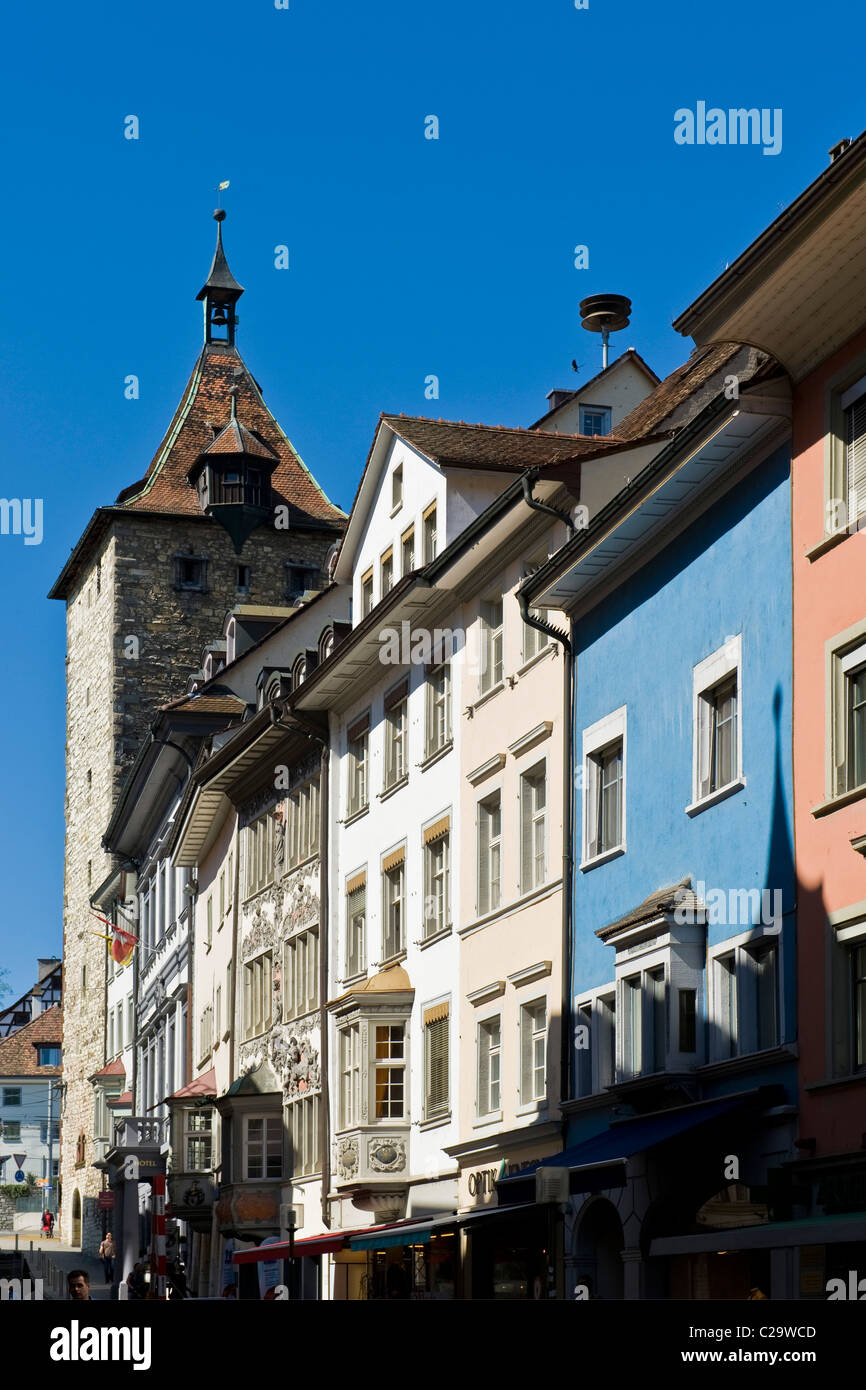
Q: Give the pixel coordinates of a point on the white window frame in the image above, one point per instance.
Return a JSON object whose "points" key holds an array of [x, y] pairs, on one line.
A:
{"points": [[430, 535], [302, 1124], [352, 966], [442, 1111], [390, 1064], [303, 823], [603, 410], [197, 1134], [707, 676], [487, 1116], [613, 728], [396, 760], [533, 641], [389, 900], [492, 644], [301, 973], [530, 1035], [258, 994], [267, 1140], [530, 777], [438, 731], [349, 1071], [483, 871], [396, 488], [741, 947], [357, 770], [437, 885], [845, 658], [603, 1036]]}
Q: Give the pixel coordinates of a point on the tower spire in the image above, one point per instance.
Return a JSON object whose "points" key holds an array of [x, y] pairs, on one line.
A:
{"points": [[220, 293]]}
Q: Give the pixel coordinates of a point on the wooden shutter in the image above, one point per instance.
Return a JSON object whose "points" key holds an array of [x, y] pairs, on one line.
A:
{"points": [[856, 459], [526, 838], [705, 715], [436, 1037], [592, 806], [483, 859], [526, 1021], [483, 1069]]}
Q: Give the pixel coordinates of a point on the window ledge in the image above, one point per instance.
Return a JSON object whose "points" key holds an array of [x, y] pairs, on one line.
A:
{"points": [[353, 979], [837, 537], [434, 757], [549, 646], [356, 815], [720, 794], [436, 1122], [515, 906], [302, 863], [534, 1107], [836, 803], [395, 787], [387, 961], [601, 858], [747, 1061], [852, 1079], [434, 937], [488, 695], [494, 1118]]}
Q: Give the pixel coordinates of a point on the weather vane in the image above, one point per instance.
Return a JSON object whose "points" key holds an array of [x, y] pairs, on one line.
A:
{"points": [[220, 189]]}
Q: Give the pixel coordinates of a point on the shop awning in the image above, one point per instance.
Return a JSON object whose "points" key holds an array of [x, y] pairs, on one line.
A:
{"points": [[325, 1244], [402, 1233], [623, 1138]]}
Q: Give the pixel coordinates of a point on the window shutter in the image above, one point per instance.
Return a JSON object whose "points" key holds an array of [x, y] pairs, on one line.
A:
{"points": [[483, 1070], [704, 717], [437, 1061], [483, 860], [856, 459], [592, 808], [526, 850], [840, 729], [525, 1054]]}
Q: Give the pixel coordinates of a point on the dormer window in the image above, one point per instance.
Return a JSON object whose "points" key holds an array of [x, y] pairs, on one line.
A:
{"points": [[594, 420]]}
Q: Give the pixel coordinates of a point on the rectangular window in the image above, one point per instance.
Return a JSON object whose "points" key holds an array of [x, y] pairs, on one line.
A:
{"points": [[604, 801], [533, 640], [854, 407], [397, 488], [396, 708], [438, 708], [356, 922], [303, 831], [489, 1056], [386, 566], [190, 572], [491, 643], [717, 714], [855, 724], [258, 995], [766, 1006], [366, 593], [533, 1052], [407, 548], [655, 981], [350, 1075], [390, 1071], [301, 976], [222, 896], [263, 1147], [11, 1095], [49, 1056], [436, 1061], [688, 1031], [584, 1041], [533, 828], [218, 1013], [55, 1130], [430, 534], [594, 419], [205, 1032], [199, 1140], [358, 738], [726, 1013], [12, 1131], [437, 896], [208, 936], [634, 1026], [303, 1126], [858, 1003], [393, 904], [261, 835], [489, 853]]}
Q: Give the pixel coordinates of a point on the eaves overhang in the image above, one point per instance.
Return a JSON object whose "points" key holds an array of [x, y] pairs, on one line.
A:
{"points": [[724, 438], [799, 291]]}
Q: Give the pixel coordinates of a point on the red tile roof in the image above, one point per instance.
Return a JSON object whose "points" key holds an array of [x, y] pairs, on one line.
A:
{"points": [[114, 1102], [462, 445], [204, 1085], [115, 1068], [205, 407], [652, 413], [18, 1054]]}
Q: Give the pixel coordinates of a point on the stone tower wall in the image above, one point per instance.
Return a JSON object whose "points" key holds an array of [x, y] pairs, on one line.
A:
{"points": [[132, 641]]}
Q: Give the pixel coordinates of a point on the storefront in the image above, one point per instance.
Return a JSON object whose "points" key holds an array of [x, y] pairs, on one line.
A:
{"points": [[294, 1267], [418, 1261]]}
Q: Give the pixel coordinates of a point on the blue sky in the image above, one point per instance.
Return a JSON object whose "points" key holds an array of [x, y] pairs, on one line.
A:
{"points": [[408, 257]]}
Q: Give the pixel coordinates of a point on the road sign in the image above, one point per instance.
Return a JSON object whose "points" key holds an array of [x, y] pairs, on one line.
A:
{"points": [[19, 1160], [19, 1176]]}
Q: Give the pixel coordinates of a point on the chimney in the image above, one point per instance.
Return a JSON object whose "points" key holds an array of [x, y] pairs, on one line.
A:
{"points": [[558, 396], [45, 965], [35, 1002]]}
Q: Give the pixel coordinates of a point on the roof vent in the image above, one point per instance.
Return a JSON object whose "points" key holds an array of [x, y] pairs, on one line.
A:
{"points": [[605, 314], [838, 149]]}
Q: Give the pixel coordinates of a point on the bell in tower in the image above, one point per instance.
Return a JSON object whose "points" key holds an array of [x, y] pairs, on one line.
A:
{"points": [[220, 293]]}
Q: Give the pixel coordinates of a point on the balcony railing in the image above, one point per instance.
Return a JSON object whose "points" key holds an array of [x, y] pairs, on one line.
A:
{"points": [[141, 1132]]}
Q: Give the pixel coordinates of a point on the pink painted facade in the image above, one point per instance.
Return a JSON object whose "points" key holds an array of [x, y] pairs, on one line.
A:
{"points": [[829, 577]]}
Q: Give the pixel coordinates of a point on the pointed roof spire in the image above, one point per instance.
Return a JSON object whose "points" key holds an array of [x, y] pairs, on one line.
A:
{"points": [[220, 281]]}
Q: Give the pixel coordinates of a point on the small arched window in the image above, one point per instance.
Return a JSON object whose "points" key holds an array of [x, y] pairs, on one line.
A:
{"points": [[326, 643]]}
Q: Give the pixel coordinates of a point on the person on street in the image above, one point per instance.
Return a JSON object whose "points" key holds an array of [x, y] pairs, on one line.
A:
{"points": [[107, 1254], [78, 1285], [46, 1223]]}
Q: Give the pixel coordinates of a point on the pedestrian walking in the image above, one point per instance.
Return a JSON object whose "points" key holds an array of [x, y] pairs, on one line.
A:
{"points": [[107, 1254], [46, 1223], [51, 1223]]}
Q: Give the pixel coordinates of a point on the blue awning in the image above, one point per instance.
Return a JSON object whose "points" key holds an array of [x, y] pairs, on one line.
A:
{"points": [[387, 1239], [623, 1138]]}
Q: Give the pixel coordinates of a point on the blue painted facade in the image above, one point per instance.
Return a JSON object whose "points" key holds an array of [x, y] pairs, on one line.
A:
{"points": [[729, 573]]}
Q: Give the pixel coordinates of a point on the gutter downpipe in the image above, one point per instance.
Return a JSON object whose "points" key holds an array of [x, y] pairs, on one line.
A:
{"points": [[567, 790]]}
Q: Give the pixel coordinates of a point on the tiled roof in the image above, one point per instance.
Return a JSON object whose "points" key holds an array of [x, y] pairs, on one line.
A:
{"points": [[207, 704], [663, 901], [115, 1102], [200, 1086], [115, 1068], [650, 415], [569, 393], [237, 439], [206, 406], [462, 445], [18, 1055]]}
